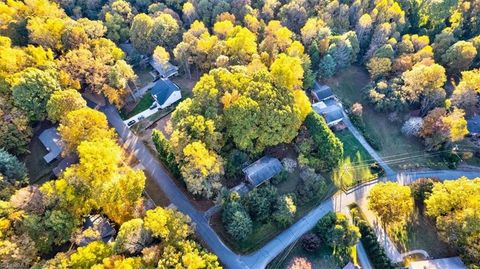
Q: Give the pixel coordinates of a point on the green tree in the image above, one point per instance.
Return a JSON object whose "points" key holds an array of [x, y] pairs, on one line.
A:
{"points": [[327, 66], [169, 225], [236, 221], [132, 237], [32, 89], [285, 210], [89, 255], [260, 202], [11, 168], [63, 102], [140, 31], [459, 56]]}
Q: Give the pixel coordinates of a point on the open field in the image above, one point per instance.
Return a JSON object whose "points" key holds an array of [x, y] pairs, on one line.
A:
{"points": [[399, 151]]}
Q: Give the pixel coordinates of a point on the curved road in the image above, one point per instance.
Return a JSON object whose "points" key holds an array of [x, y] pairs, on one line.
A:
{"points": [[263, 256]]}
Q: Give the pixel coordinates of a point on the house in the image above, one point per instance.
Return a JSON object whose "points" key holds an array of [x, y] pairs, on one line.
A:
{"points": [[64, 164], [446, 263], [333, 114], [165, 93], [322, 92], [262, 170], [473, 125], [100, 225], [165, 70], [51, 140]]}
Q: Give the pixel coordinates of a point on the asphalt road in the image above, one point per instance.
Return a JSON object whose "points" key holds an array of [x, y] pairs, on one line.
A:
{"points": [[263, 256]]}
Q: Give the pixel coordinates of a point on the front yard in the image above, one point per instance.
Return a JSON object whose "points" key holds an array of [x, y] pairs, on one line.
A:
{"points": [[320, 259], [397, 150]]}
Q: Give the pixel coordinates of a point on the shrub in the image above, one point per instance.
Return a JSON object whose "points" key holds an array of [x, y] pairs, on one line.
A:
{"points": [[312, 188], [412, 126], [281, 177], [11, 168], [310, 242], [236, 221]]}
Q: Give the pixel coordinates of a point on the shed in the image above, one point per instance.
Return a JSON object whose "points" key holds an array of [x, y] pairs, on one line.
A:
{"points": [[322, 92], [98, 224], [51, 140], [473, 125], [165, 70], [165, 93], [262, 170], [446, 263]]}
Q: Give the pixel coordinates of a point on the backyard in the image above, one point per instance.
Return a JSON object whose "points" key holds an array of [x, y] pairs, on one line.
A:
{"points": [[320, 259], [397, 150]]}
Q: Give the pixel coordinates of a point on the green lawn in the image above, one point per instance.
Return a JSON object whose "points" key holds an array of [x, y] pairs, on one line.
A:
{"points": [[142, 105], [321, 259], [351, 146], [399, 151]]}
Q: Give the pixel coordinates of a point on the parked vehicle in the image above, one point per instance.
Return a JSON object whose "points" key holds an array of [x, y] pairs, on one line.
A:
{"points": [[130, 123]]}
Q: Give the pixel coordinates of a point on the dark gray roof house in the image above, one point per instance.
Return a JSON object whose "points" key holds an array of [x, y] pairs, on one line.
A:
{"points": [[163, 90], [262, 170], [51, 140], [64, 164], [165, 70], [99, 224], [473, 125], [322, 92], [333, 113]]}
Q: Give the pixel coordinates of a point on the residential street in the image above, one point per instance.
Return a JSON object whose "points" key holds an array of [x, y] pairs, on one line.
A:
{"points": [[263, 256]]}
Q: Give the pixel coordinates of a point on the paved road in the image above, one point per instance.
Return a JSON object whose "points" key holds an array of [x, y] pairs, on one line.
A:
{"points": [[263, 256]]}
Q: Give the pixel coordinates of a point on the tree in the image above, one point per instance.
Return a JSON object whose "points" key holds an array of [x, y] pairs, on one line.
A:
{"points": [[412, 126], [459, 56], [328, 148], [260, 203], [63, 102], [89, 255], [424, 83], [17, 249], [46, 32], [117, 16], [379, 67], [241, 45], [11, 168], [336, 231], [140, 32], [327, 66], [165, 31], [83, 124], [457, 125], [310, 242], [236, 221], [169, 225], [132, 237], [285, 210], [287, 72], [32, 89], [391, 202], [201, 170]]}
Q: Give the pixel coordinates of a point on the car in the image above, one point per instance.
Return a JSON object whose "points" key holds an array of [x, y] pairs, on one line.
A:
{"points": [[130, 123], [153, 106]]}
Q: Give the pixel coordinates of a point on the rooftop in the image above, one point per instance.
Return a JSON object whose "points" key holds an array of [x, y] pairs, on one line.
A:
{"points": [[322, 92], [446, 263], [51, 140], [165, 70], [262, 170], [162, 89]]}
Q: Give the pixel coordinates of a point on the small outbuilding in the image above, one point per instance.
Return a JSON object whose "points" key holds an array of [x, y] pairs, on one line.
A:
{"points": [[165, 93], [446, 263], [322, 92], [165, 70], [51, 140], [262, 170]]}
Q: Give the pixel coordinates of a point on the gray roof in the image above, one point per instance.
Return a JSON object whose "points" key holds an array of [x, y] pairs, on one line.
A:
{"points": [[162, 89], [64, 164], [473, 125], [165, 70], [322, 92], [51, 140], [262, 170], [100, 224], [330, 113]]}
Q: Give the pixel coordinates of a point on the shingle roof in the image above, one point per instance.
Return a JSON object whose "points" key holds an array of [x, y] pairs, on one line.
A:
{"points": [[162, 89], [473, 125], [333, 113], [262, 170], [322, 91], [51, 140], [100, 224], [165, 70]]}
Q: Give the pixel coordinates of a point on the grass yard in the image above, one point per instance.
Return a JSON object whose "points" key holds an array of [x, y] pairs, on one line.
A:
{"points": [[351, 146], [39, 171], [142, 105], [143, 75], [399, 151], [422, 234], [321, 259]]}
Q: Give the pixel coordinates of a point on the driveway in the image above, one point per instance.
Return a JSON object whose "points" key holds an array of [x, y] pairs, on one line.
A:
{"points": [[263, 256]]}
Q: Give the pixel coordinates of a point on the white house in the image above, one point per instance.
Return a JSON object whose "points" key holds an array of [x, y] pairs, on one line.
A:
{"points": [[165, 93]]}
